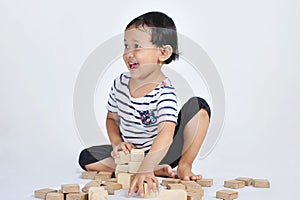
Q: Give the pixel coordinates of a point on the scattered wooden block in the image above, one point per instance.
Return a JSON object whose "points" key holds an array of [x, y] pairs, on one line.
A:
{"points": [[175, 186], [70, 188], [167, 181], [194, 196], [102, 176], [261, 183], [54, 196], [234, 184], [41, 193], [248, 181], [90, 184], [227, 194], [148, 194], [172, 195], [77, 196], [137, 155], [113, 186], [133, 167], [97, 193], [112, 180], [125, 179], [123, 158], [192, 186], [88, 174], [205, 182]]}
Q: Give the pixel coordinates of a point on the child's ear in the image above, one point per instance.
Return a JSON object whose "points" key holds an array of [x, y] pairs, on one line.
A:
{"points": [[165, 53]]}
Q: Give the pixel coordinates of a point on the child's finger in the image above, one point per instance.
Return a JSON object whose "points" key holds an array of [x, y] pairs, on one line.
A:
{"points": [[141, 187], [132, 187]]}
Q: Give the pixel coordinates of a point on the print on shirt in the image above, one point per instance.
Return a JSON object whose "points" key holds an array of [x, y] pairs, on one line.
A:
{"points": [[147, 117]]}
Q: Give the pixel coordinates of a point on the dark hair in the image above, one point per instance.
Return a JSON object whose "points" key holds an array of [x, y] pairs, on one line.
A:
{"points": [[163, 31]]}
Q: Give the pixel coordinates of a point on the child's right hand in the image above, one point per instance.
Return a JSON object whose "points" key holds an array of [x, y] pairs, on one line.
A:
{"points": [[125, 146]]}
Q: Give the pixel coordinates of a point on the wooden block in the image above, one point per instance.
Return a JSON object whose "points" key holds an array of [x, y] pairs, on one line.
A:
{"points": [[97, 193], [137, 155], [175, 186], [77, 196], [125, 179], [133, 167], [54, 196], [227, 194], [205, 182], [166, 181], [123, 158], [103, 176], [70, 188], [88, 174], [148, 194], [90, 184], [41, 193], [122, 168], [112, 186], [172, 195], [248, 181], [191, 185], [234, 184], [112, 180], [261, 183], [194, 196]]}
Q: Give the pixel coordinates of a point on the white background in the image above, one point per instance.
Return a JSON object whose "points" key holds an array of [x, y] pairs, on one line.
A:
{"points": [[254, 45]]}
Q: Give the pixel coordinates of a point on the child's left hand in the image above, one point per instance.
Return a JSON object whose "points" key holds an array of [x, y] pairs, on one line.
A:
{"points": [[137, 184]]}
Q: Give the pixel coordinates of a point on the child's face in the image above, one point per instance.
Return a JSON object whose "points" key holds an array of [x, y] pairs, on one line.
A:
{"points": [[140, 55]]}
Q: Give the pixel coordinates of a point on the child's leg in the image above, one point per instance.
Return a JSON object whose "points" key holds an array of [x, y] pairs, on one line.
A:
{"points": [[194, 130], [97, 158], [194, 134]]}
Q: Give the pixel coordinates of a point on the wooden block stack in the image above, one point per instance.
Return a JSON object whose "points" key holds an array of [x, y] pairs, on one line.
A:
{"points": [[128, 165]]}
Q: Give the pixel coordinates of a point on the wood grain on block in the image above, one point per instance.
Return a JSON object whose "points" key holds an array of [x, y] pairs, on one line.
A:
{"points": [[166, 181], [88, 175], [137, 155], [102, 176], [227, 194], [123, 158], [112, 180], [194, 196], [55, 196], [175, 186], [148, 194], [172, 195], [234, 184], [41, 193], [125, 179], [70, 188], [133, 167], [97, 193], [90, 184], [122, 168], [205, 182], [77, 196], [261, 183], [248, 181]]}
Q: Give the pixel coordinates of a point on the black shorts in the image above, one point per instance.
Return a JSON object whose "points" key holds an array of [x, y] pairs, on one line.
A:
{"points": [[188, 111]]}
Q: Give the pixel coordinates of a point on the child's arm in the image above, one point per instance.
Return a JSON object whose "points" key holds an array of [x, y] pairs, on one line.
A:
{"points": [[157, 152], [113, 130]]}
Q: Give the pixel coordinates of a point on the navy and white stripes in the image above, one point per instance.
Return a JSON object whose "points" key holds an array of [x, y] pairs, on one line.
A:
{"points": [[139, 117]]}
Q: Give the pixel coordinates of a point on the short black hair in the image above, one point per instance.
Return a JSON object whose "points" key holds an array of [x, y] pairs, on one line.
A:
{"points": [[163, 31]]}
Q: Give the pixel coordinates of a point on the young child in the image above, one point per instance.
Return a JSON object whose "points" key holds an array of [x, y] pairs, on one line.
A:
{"points": [[142, 109]]}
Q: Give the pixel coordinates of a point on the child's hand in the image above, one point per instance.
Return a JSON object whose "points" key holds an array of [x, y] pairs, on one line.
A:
{"points": [[125, 146], [137, 185]]}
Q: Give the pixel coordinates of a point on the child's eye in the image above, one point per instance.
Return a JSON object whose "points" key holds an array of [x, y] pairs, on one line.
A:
{"points": [[137, 46], [126, 46]]}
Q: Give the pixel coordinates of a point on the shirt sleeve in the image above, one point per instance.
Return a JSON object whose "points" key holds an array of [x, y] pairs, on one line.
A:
{"points": [[112, 102], [167, 107]]}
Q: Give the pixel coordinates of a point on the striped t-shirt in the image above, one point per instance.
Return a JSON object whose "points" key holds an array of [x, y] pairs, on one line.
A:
{"points": [[139, 117]]}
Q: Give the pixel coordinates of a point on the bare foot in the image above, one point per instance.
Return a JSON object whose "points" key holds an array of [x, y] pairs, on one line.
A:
{"points": [[164, 171], [184, 172]]}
